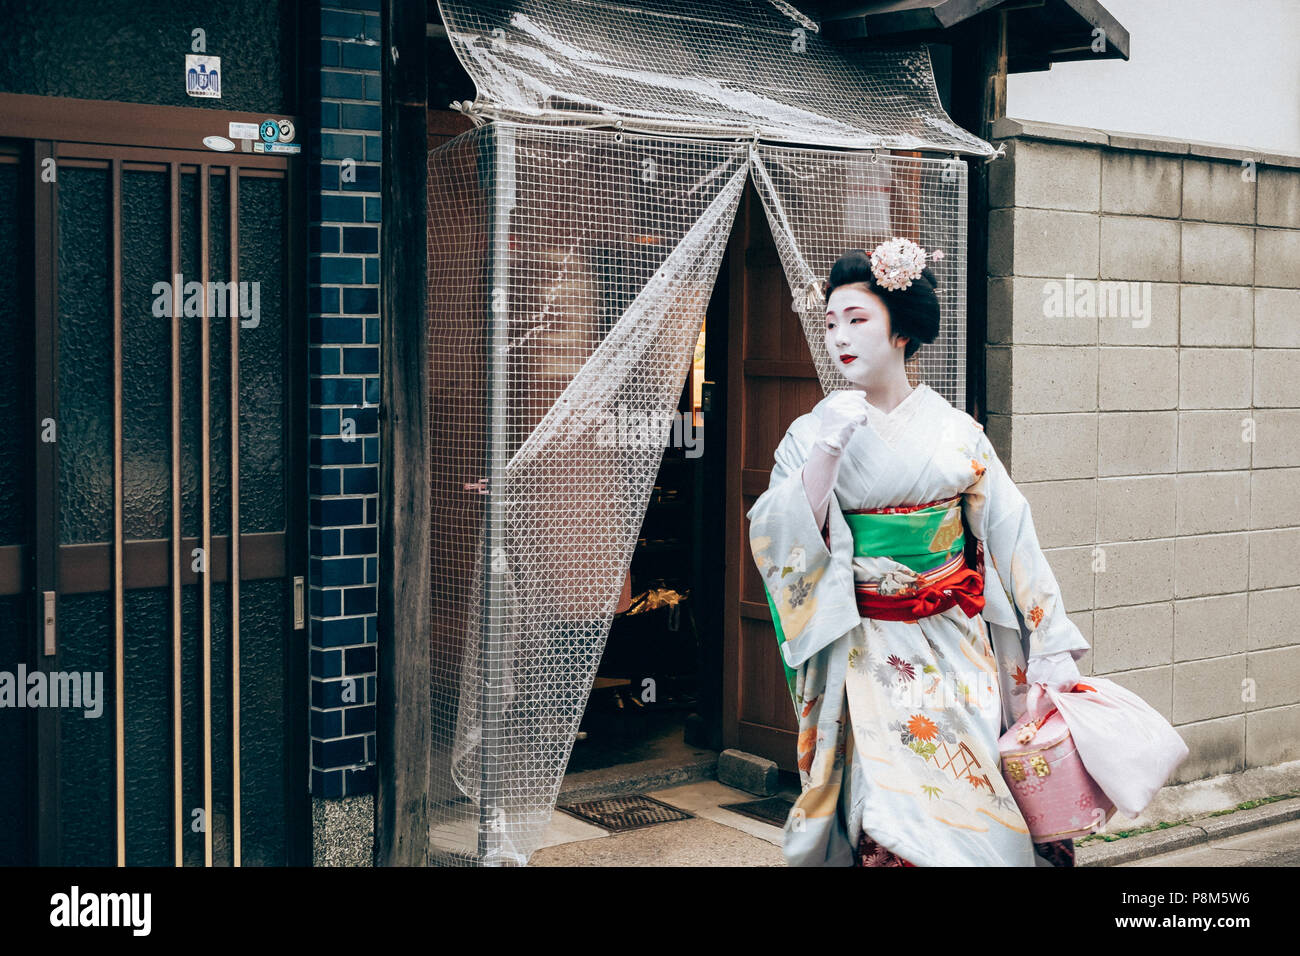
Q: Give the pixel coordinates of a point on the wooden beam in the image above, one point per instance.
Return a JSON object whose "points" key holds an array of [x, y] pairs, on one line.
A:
{"points": [[403, 730], [70, 120], [979, 96]]}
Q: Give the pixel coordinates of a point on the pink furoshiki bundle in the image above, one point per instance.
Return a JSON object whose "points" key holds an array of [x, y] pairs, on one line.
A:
{"points": [[1099, 748]]}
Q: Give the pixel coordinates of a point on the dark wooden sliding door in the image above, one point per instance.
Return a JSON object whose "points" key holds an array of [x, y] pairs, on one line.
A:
{"points": [[152, 526]]}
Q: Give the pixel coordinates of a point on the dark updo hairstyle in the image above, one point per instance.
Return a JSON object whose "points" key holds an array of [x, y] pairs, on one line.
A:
{"points": [[913, 312]]}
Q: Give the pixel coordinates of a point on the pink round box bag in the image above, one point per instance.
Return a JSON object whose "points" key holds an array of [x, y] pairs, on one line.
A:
{"points": [[1057, 796]]}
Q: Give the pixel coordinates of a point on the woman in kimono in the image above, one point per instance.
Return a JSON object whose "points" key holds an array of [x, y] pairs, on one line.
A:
{"points": [[907, 653]]}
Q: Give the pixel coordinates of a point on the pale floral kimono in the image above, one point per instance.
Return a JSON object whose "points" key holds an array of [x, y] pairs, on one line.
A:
{"points": [[899, 720]]}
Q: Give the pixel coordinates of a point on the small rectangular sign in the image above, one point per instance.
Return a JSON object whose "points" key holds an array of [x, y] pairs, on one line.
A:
{"points": [[244, 131], [203, 75], [277, 147]]}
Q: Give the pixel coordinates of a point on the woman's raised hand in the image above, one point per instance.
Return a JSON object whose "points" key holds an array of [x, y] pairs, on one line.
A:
{"points": [[844, 412]]}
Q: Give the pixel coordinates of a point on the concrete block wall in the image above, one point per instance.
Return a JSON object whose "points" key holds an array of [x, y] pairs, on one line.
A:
{"points": [[1143, 361]]}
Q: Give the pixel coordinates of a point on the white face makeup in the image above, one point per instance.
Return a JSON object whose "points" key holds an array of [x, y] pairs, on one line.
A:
{"points": [[857, 335]]}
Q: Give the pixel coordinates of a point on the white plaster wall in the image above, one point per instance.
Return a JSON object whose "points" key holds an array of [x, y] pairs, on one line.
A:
{"points": [[1220, 71]]}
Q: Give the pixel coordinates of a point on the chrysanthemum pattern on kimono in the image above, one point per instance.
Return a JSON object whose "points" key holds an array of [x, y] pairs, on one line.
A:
{"points": [[899, 720]]}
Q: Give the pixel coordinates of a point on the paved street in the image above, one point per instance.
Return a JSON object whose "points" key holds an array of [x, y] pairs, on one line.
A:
{"points": [[1272, 846], [717, 837]]}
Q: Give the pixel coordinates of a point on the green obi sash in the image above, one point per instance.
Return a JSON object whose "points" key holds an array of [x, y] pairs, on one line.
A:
{"points": [[921, 540]]}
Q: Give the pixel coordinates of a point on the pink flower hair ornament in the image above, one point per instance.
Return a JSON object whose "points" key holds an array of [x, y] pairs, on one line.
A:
{"points": [[897, 262]]}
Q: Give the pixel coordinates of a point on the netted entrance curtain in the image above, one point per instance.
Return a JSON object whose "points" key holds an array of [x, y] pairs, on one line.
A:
{"points": [[569, 273], [749, 66]]}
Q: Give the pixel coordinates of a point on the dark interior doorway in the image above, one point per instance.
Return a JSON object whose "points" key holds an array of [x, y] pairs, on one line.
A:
{"points": [[658, 691]]}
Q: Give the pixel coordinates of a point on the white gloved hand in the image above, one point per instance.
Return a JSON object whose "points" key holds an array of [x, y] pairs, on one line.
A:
{"points": [[819, 474], [1057, 671], [844, 413]]}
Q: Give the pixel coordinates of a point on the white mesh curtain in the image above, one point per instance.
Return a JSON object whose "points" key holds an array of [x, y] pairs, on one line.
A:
{"points": [[748, 66], [569, 275], [569, 272]]}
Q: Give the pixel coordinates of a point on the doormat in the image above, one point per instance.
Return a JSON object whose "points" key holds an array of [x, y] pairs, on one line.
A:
{"points": [[625, 813], [774, 810]]}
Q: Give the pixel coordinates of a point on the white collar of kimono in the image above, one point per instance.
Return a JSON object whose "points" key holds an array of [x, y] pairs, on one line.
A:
{"points": [[889, 425], [910, 398]]}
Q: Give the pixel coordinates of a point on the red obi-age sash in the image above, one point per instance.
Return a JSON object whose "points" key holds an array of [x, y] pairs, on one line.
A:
{"points": [[964, 588]]}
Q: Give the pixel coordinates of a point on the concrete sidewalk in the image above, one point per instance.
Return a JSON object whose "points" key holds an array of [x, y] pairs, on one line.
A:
{"points": [[713, 837], [1263, 835]]}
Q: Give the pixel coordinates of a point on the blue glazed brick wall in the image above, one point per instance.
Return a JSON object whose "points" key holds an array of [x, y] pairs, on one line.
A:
{"points": [[343, 309]]}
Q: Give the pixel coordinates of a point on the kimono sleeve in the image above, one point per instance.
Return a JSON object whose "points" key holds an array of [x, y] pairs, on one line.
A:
{"points": [[808, 581], [999, 516]]}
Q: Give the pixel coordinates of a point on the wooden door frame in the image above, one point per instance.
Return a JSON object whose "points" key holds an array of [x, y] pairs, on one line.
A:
{"points": [[737, 243], [145, 132], [404, 718], [738, 555]]}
